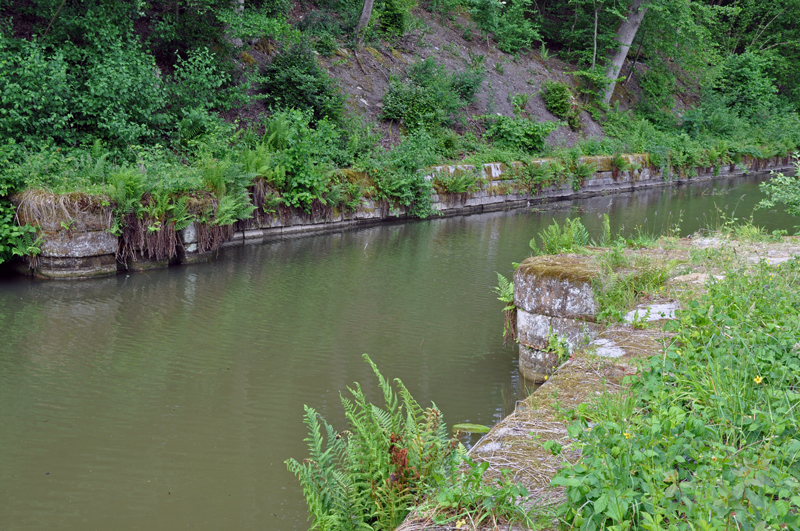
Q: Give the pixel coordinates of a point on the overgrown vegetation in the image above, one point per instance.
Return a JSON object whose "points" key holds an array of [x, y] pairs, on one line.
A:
{"points": [[391, 459], [711, 434]]}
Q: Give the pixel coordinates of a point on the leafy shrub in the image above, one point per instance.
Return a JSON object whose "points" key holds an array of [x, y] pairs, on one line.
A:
{"points": [[559, 100], [429, 98], [515, 30], [784, 189], [397, 177], [197, 83], [466, 83], [294, 80], [304, 154], [519, 133], [512, 28], [35, 92], [393, 18], [745, 85]]}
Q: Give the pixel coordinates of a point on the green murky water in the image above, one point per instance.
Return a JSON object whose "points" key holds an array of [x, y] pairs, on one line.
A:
{"points": [[170, 399]]}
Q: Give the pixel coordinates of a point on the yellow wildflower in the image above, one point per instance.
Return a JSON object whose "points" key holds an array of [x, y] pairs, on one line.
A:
{"points": [[758, 379], [460, 524], [627, 435]]}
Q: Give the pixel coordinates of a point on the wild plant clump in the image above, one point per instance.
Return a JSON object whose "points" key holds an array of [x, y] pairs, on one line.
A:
{"points": [[559, 100], [369, 476], [294, 80], [430, 96]]}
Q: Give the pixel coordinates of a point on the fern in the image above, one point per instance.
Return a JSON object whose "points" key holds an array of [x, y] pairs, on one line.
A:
{"points": [[180, 213], [556, 239], [368, 477], [505, 292]]}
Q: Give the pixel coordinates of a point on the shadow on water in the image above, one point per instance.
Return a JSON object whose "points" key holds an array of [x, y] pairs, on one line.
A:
{"points": [[171, 399]]}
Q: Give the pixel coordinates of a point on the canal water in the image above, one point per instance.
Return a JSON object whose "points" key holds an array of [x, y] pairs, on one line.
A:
{"points": [[171, 399]]}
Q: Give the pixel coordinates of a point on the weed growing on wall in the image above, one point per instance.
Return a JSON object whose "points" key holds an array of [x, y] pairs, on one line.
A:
{"points": [[557, 239]]}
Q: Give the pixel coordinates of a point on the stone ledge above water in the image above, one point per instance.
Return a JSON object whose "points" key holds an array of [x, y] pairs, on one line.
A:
{"points": [[73, 236]]}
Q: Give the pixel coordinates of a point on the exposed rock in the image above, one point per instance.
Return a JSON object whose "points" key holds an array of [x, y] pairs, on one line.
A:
{"points": [[534, 330], [536, 365], [556, 286], [68, 268], [607, 348], [74, 244], [653, 312]]}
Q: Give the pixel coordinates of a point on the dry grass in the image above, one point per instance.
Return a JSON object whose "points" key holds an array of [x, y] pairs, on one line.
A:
{"points": [[54, 212]]}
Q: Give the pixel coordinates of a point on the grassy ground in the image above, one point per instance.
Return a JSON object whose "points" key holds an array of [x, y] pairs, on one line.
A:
{"points": [[694, 425]]}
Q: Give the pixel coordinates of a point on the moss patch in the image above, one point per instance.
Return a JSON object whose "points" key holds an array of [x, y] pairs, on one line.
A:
{"points": [[578, 268]]}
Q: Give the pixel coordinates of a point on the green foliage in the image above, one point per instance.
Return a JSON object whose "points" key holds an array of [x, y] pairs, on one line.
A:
{"points": [[16, 240], [456, 183], [67, 93], [746, 87], [534, 177], [468, 497], [558, 98], [267, 22], [393, 17], [198, 83], [715, 438], [397, 174], [783, 189], [510, 24], [505, 294], [369, 476], [466, 83], [616, 291], [294, 80], [304, 155], [557, 239], [515, 30], [430, 97], [519, 133], [35, 92]]}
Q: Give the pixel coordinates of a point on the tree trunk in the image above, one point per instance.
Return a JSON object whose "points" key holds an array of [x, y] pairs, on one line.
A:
{"points": [[625, 34], [366, 13], [594, 41], [238, 8]]}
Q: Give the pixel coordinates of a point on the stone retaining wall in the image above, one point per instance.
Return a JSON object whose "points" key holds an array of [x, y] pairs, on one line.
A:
{"points": [[555, 302], [88, 250]]}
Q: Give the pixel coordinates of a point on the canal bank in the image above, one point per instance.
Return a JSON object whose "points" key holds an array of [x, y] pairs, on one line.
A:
{"points": [[77, 240], [588, 368]]}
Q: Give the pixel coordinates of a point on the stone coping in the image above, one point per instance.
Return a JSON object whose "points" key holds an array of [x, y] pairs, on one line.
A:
{"points": [[68, 245]]}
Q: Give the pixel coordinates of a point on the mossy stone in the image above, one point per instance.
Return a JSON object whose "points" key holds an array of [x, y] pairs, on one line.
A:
{"points": [[557, 286]]}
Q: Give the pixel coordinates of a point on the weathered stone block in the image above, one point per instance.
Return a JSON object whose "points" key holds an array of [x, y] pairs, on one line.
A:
{"points": [[68, 268], [189, 234], [556, 286], [536, 365], [71, 244], [140, 262], [534, 330]]}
